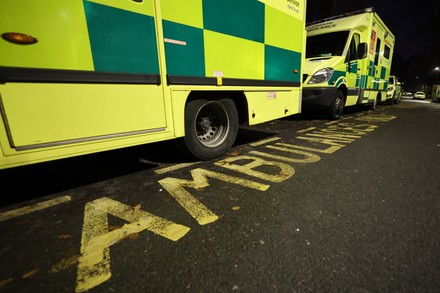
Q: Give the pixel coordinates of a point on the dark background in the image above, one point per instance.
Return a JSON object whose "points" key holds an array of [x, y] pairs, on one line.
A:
{"points": [[416, 26]]}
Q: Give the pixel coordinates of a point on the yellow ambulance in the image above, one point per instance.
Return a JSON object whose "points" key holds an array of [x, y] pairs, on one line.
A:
{"points": [[83, 76], [348, 62], [394, 94]]}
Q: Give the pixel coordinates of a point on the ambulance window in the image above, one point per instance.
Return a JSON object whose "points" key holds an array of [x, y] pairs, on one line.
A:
{"points": [[377, 53], [387, 52], [352, 50], [326, 45]]}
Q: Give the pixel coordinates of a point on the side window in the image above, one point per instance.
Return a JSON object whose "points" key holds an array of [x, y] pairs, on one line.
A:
{"points": [[387, 52], [352, 50], [377, 53]]}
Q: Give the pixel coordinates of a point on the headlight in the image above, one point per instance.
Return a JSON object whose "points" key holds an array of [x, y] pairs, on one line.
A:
{"points": [[321, 76]]}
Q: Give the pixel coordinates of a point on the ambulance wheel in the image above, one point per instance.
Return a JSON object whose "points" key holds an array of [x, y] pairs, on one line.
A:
{"points": [[211, 127], [337, 106]]}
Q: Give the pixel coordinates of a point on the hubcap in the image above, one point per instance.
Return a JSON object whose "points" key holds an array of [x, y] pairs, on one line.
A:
{"points": [[212, 124]]}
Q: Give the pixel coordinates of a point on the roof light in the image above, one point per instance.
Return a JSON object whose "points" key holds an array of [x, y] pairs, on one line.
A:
{"points": [[366, 10]]}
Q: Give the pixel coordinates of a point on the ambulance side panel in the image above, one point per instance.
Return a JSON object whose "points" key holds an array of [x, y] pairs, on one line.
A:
{"points": [[106, 74], [88, 77], [381, 45], [249, 51]]}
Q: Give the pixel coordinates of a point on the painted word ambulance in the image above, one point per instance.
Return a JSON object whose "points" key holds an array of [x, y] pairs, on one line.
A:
{"points": [[84, 76], [348, 62]]}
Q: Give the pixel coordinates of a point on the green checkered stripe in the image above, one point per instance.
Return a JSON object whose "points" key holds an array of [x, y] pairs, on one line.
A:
{"points": [[336, 77], [243, 39], [115, 36], [380, 82]]}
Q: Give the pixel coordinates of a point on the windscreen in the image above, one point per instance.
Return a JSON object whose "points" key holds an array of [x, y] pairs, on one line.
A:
{"points": [[326, 45]]}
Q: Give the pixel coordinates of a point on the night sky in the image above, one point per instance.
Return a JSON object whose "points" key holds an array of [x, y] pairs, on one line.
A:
{"points": [[410, 21]]}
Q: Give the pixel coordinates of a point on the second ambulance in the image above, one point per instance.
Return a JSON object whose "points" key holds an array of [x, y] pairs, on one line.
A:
{"points": [[348, 62]]}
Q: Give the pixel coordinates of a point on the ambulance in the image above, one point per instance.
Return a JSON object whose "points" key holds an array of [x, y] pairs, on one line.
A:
{"points": [[435, 93], [84, 76], [348, 62], [394, 94]]}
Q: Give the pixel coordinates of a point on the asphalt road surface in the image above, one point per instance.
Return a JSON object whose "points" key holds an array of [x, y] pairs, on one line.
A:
{"points": [[298, 205]]}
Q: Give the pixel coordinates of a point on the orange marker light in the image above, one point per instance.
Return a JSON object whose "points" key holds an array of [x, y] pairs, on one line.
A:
{"points": [[19, 38]]}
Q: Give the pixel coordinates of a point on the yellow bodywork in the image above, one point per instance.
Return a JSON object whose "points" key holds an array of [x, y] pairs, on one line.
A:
{"points": [[47, 117]]}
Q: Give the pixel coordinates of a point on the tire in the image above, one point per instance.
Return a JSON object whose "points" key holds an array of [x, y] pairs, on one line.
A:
{"points": [[211, 127], [378, 100], [337, 106]]}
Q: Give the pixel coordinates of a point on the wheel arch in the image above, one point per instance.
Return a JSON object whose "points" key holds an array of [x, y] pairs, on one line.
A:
{"points": [[238, 97], [343, 88]]}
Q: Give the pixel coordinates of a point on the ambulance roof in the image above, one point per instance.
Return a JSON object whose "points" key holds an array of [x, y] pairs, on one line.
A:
{"points": [[359, 19], [361, 11]]}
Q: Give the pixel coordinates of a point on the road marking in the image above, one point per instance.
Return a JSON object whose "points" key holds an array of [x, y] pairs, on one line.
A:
{"points": [[332, 142], [376, 118], [33, 208], [285, 171], [343, 134], [308, 157], [265, 141], [353, 128], [331, 136], [329, 150], [306, 130], [332, 122], [94, 262], [174, 168], [193, 206]]}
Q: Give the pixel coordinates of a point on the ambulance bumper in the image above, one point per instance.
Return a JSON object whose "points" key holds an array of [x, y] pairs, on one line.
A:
{"points": [[318, 97]]}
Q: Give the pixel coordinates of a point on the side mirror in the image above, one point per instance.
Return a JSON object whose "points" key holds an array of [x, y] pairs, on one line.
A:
{"points": [[362, 51]]}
